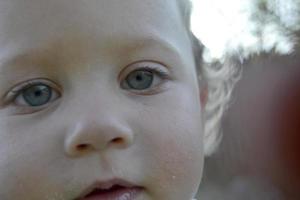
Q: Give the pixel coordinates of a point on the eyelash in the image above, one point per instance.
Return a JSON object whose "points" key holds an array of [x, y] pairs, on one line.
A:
{"points": [[162, 74]]}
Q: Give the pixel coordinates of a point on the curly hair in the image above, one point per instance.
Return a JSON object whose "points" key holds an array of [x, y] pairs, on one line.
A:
{"points": [[218, 79]]}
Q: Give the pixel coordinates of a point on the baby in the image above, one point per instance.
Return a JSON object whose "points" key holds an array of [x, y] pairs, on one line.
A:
{"points": [[104, 100]]}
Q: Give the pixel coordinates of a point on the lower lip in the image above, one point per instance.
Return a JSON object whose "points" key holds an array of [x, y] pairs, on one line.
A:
{"points": [[119, 194]]}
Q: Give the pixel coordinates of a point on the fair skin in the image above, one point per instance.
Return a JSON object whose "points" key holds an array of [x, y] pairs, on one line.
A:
{"points": [[94, 126]]}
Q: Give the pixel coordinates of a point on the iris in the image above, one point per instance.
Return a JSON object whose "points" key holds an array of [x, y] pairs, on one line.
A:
{"points": [[37, 95], [139, 79]]}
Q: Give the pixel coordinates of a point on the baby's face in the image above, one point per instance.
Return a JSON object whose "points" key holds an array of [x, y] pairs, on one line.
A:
{"points": [[97, 92]]}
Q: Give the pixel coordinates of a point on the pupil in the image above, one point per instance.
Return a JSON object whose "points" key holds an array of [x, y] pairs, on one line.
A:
{"points": [[38, 93], [139, 78]]}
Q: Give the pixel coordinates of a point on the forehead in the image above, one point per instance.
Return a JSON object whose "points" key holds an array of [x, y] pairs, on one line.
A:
{"points": [[27, 26], [40, 19]]}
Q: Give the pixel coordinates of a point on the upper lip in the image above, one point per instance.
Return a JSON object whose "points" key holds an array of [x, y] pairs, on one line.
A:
{"points": [[105, 185]]}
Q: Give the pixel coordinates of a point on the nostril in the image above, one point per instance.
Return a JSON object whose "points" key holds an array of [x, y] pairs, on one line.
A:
{"points": [[117, 140], [82, 147]]}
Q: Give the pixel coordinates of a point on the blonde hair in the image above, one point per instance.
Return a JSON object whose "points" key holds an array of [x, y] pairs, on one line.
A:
{"points": [[219, 80]]}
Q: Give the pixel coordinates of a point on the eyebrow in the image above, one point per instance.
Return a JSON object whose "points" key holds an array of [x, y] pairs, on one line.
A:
{"points": [[130, 46], [156, 42], [11, 62]]}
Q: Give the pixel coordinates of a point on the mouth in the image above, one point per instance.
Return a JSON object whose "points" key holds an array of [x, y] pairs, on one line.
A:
{"points": [[111, 190]]}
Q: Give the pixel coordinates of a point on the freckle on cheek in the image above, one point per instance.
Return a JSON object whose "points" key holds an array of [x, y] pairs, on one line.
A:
{"points": [[175, 161]]}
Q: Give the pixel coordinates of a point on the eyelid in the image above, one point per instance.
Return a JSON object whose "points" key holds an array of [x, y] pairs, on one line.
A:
{"points": [[146, 65]]}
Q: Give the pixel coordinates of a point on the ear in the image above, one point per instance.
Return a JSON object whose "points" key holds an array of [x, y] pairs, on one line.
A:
{"points": [[203, 96]]}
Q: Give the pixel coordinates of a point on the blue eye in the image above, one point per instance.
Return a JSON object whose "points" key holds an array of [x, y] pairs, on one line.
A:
{"points": [[34, 93], [139, 79], [146, 79], [37, 95]]}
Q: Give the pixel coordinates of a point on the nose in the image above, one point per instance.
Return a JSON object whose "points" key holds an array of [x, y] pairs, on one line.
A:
{"points": [[89, 136]]}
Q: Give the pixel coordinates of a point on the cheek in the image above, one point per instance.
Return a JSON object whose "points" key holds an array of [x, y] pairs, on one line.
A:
{"points": [[26, 153], [173, 145]]}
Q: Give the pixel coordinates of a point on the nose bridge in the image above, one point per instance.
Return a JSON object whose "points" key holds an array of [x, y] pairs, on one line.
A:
{"points": [[98, 125], [96, 97]]}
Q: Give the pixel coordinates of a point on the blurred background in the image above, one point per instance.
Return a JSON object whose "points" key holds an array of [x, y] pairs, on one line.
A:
{"points": [[259, 157]]}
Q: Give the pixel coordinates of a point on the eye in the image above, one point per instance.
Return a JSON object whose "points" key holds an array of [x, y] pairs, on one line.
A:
{"points": [[146, 77], [139, 79], [34, 94]]}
